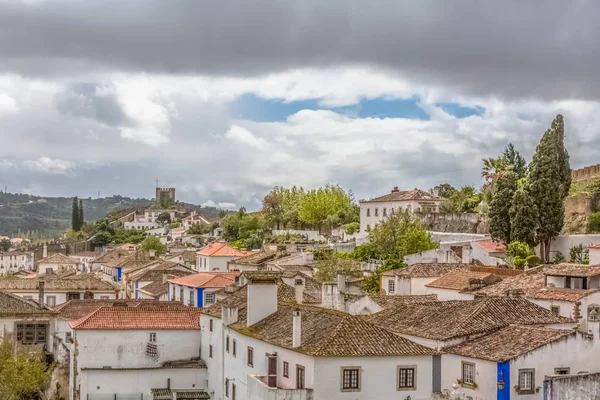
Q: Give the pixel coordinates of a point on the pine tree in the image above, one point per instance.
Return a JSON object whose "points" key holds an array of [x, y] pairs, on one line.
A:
{"points": [[523, 217], [550, 178], [500, 227], [81, 214], [514, 158], [75, 215]]}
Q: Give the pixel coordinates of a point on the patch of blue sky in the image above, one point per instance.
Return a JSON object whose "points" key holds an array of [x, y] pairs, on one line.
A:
{"points": [[459, 111]]}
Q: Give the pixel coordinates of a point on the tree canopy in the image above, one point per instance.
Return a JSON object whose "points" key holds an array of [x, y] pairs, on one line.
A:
{"points": [[22, 374], [153, 243], [500, 224]]}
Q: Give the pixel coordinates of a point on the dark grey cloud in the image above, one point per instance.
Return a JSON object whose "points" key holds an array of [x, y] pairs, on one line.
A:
{"points": [[90, 100], [509, 48]]}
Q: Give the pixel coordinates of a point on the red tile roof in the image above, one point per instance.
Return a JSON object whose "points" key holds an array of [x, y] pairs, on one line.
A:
{"points": [[490, 246], [139, 318], [222, 249], [404, 195], [597, 246], [207, 279]]}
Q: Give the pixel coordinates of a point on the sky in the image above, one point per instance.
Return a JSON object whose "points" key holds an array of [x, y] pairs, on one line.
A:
{"points": [[223, 100]]}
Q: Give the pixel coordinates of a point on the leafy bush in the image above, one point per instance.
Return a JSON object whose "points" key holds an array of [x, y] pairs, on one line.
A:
{"points": [[594, 222], [352, 228], [579, 254], [559, 258], [520, 254]]}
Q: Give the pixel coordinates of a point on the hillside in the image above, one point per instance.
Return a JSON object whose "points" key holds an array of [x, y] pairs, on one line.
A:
{"points": [[52, 215]]}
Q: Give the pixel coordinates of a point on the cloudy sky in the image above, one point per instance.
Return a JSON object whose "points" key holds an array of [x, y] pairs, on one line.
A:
{"points": [[223, 100]]}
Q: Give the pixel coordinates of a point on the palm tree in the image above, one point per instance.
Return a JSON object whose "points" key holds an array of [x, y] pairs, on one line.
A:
{"points": [[491, 168]]}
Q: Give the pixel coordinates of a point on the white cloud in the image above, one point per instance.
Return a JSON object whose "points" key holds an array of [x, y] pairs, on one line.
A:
{"points": [[5, 164], [7, 104], [50, 166], [224, 205], [245, 137]]}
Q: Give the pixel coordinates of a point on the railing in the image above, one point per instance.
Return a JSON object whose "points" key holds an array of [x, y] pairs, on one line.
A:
{"points": [[259, 390], [118, 396]]}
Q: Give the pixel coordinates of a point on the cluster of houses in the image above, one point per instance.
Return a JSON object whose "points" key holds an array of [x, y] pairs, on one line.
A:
{"points": [[230, 324]]}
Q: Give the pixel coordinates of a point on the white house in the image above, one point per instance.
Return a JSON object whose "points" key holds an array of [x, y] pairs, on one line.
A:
{"points": [[129, 351], [200, 290], [57, 262], [412, 279], [140, 225], [375, 210], [14, 261], [488, 252], [85, 259], [513, 362], [54, 291], [216, 255], [194, 219], [259, 348]]}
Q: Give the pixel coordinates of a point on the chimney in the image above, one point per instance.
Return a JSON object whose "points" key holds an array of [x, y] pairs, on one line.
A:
{"points": [[341, 282], [152, 254], [45, 251], [296, 329], [262, 295], [41, 284], [299, 288], [395, 189]]}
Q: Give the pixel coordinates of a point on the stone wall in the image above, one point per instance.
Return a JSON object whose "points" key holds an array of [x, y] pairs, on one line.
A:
{"points": [[572, 387], [448, 222], [584, 174], [577, 210]]}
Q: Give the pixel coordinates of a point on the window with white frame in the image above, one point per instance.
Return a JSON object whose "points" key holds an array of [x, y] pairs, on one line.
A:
{"points": [[50, 301], [376, 212], [406, 377], [468, 373], [210, 298], [391, 286], [527, 381], [286, 369], [250, 356], [350, 379]]}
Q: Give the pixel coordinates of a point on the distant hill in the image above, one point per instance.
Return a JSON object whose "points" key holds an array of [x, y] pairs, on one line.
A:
{"points": [[52, 215]]}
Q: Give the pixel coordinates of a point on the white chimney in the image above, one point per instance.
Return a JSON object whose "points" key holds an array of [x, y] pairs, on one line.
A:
{"points": [[341, 282], [296, 329], [299, 287], [262, 295], [45, 251]]}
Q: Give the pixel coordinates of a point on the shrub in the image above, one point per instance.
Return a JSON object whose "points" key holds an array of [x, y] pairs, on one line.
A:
{"points": [[594, 222]]}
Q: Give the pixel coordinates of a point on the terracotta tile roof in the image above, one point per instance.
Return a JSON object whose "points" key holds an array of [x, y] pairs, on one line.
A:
{"points": [[499, 271], [86, 254], [566, 269], [11, 305], [329, 333], [112, 255], [189, 256], [460, 280], [75, 282], [572, 295], [404, 195], [207, 279], [597, 246], [58, 258], [426, 270], [444, 320], [256, 258], [75, 309], [155, 288], [133, 260], [222, 249], [490, 246], [139, 318], [398, 301], [509, 343]]}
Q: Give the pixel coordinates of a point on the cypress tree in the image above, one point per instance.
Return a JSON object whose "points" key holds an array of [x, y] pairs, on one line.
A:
{"points": [[523, 217], [75, 215], [81, 214], [550, 179], [500, 226]]}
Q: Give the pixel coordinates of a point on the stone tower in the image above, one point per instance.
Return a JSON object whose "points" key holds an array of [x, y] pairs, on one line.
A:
{"points": [[165, 196]]}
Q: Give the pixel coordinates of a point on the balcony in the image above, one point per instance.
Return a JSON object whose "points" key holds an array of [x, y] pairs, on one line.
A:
{"points": [[259, 390]]}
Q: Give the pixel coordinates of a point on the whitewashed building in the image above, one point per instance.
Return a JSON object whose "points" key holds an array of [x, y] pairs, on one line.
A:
{"points": [[216, 255], [488, 252], [375, 210], [85, 259], [413, 279], [12, 262], [57, 262], [201, 289], [136, 352], [594, 254]]}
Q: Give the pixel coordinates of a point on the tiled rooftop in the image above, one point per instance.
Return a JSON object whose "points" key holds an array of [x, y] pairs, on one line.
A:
{"points": [[444, 320], [75, 282], [112, 255], [207, 279], [257, 258], [490, 246], [567, 269], [222, 249], [140, 318], [404, 195], [75, 309], [460, 280], [399, 301], [509, 343], [14, 305], [426, 270], [58, 258], [329, 333]]}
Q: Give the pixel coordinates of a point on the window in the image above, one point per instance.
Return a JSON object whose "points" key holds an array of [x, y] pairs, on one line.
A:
{"points": [[562, 371], [368, 212], [391, 286], [384, 212], [72, 296], [50, 301], [172, 292], [152, 337], [555, 310], [226, 387], [227, 344], [191, 299], [68, 336], [250, 356], [350, 379], [234, 350], [406, 377], [233, 391], [210, 350], [376, 212], [31, 333], [181, 294], [468, 373], [286, 369], [299, 377], [210, 325], [526, 381], [210, 298]]}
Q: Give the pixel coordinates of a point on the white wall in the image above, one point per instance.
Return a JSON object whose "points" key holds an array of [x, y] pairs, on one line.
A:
{"points": [[43, 267], [563, 243], [485, 376], [594, 256], [567, 308], [373, 220], [127, 349], [432, 256], [209, 264], [484, 257], [187, 293], [61, 296], [7, 326], [417, 285], [13, 263], [215, 363], [139, 381]]}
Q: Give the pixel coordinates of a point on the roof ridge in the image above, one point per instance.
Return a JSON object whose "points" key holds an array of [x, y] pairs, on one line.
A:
{"points": [[80, 321]]}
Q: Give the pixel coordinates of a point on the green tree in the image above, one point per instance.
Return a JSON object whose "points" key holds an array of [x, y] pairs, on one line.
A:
{"points": [[445, 190], [80, 219], [500, 226], [327, 205], [5, 245], [550, 178], [513, 158], [291, 207], [273, 206], [153, 243], [22, 374], [523, 216], [594, 222], [164, 218], [399, 235], [464, 200], [579, 254], [330, 265], [491, 168], [101, 239], [372, 283], [75, 222]]}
